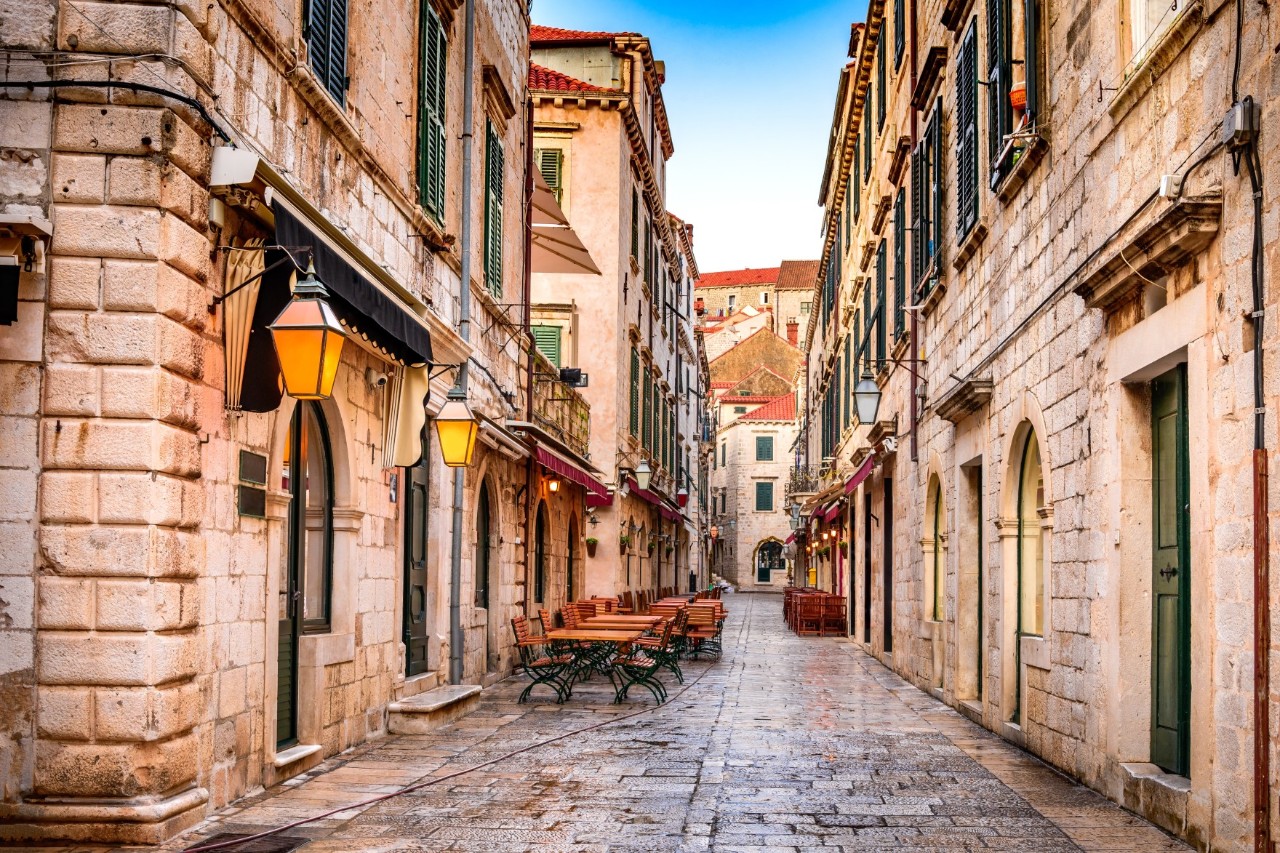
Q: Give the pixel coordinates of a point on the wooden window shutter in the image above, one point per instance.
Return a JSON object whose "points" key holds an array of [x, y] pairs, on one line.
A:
{"points": [[939, 181], [764, 448], [635, 225], [764, 497], [866, 137], [433, 56], [547, 340], [493, 212], [880, 77], [999, 110], [900, 265], [855, 186], [1031, 24], [635, 392], [868, 318], [967, 133], [325, 30], [550, 162], [882, 264], [848, 371], [899, 32], [917, 219], [647, 439]]}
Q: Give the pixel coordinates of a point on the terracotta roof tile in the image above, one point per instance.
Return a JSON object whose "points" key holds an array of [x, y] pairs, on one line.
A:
{"points": [[779, 409], [743, 400], [547, 80], [798, 275], [730, 278], [540, 35]]}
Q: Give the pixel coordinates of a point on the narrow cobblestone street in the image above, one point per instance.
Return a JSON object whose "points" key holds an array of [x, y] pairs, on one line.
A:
{"points": [[784, 744]]}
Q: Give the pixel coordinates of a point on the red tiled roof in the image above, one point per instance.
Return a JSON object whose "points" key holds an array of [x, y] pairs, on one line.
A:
{"points": [[546, 80], [743, 400], [729, 278], [780, 409], [798, 275], [539, 34], [715, 385]]}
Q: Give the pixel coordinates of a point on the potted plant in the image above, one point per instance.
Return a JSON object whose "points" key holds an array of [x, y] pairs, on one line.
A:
{"points": [[624, 542], [653, 546], [668, 549], [592, 542]]}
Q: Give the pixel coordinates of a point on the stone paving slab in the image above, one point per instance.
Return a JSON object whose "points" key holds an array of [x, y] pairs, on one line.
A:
{"points": [[786, 744]]}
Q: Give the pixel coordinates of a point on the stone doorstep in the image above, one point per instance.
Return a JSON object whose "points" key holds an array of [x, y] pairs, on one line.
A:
{"points": [[429, 711], [1158, 796]]}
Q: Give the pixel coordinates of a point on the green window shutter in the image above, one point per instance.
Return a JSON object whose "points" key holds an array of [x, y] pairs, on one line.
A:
{"points": [[493, 200], [917, 219], [325, 30], [550, 162], [635, 392], [880, 75], [967, 133], [764, 497], [855, 186], [882, 269], [433, 55], [647, 439], [868, 319], [547, 340], [845, 400], [900, 265], [899, 32], [764, 448], [635, 225], [999, 110], [866, 137]]}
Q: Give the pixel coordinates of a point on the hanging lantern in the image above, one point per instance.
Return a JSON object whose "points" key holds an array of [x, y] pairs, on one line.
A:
{"points": [[553, 485], [457, 429], [308, 339], [644, 475], [682, 497], [866, 398]]}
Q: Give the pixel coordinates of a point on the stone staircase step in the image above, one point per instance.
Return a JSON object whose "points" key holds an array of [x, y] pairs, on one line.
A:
{"points": [[429, 711]]}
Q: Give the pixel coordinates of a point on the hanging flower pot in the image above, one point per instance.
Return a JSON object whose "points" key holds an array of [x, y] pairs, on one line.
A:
{"points": [[591, 545], [624, 542], [653, 546], [1018, 96]]}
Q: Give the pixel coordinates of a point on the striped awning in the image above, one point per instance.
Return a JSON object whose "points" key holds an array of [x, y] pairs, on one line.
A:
{"points": [[572, 472]]}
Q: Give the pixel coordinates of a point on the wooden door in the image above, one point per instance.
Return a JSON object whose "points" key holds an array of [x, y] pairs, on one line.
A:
{"points": [[1170, 579], [887, 527], [290, 606], [416, 507]]}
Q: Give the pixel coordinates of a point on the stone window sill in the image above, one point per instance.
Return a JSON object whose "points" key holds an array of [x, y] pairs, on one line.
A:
{"points": [[1035, 652], [294, 754], [1032, 154], [969, 245]]}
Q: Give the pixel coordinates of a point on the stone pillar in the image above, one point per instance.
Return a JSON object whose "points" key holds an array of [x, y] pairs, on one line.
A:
{"points": [[118, 701]]}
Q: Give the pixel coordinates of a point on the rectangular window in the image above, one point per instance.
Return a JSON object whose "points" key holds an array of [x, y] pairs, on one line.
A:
{"points": [[635, 225], [1013, 73], [855, 186], [433, 53], [764, 298], [926, 202], [739, 410], [550, 163], [967, 133], [723, 451], [882, 271], [325, 30], [493, 198], [866, 138], [732, 300], [646, 439], [635, 393], [547, 340], [764, 448], [900, 265], [880, 76], [899, 33], [764, 497], [848, 365], [806, 307]]}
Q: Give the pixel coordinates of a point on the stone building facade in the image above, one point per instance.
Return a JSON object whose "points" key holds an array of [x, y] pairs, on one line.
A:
{"points": [[786, 291], [603, 140], [1050, 522], [208, 586]]}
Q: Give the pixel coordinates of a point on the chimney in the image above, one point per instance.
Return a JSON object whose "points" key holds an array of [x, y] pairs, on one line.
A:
{"points": [[793, 333]]}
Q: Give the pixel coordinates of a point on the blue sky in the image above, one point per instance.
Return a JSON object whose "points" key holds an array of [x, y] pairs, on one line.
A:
{"points": [[750, 89]]}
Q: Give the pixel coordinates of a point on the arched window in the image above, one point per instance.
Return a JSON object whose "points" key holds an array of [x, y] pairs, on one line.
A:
{"points": [[768, 560], [1030, 541], [308, 473], [483, 534], [540, 554]]}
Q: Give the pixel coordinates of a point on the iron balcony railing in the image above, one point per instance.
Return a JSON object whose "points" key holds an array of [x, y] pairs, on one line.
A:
{"points": [[802, 481]]}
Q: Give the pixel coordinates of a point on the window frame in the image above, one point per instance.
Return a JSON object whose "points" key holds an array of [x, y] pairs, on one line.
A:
{"points": [[967, 133], [321, 30], [764, 448], [763, 488], [433, 61], [495, 180]]}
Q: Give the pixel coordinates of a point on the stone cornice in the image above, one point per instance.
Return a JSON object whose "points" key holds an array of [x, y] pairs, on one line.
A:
{"points": [[935, 62], [964, 399], [1153, 246]]}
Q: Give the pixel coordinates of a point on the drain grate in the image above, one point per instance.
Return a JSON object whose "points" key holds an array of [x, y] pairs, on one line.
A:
{"points": [[270, 844]]}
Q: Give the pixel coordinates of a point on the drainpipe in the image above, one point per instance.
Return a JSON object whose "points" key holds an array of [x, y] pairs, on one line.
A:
{"points": [[527, 300], [464, 331], [915, 315]]}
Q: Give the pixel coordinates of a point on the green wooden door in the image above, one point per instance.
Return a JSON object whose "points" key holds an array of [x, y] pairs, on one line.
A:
{"points": [[1170, 580]]}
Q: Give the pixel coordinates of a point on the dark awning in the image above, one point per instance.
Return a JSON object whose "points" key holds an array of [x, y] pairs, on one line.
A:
{"points": [[556, 463], [363, 307]]}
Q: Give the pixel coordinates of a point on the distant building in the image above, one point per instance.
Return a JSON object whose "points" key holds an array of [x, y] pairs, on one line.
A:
{"points": [[784, 292]]}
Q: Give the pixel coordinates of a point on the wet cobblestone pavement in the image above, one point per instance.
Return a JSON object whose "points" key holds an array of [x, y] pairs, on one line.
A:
{"points": [[786, 744]]}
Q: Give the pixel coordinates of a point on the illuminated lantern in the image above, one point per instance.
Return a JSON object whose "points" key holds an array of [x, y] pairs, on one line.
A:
{"points": [[308, 339]]}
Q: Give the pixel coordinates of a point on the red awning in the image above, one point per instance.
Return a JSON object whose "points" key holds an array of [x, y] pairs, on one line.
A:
{"points": [[832, 512], [862, 474], [790, 539], [649, 497], [571, 472]]}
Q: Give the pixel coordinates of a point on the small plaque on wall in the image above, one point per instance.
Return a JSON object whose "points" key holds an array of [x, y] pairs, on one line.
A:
{"points": [[253, 468], [252, 501]]}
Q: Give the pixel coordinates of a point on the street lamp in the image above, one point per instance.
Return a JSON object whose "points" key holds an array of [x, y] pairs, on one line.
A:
{"points": [[644, 475], [308, 339], [682, 497], [553, 485], [457, 429], [866, 398]]}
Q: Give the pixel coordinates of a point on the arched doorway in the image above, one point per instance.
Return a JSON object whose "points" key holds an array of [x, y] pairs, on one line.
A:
{"points": [[768, 560], [540, 555], [1030, 552], [307, 584]]}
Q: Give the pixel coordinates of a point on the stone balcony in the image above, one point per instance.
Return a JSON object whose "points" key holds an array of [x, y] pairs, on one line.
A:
{"points": [[559, 409]]}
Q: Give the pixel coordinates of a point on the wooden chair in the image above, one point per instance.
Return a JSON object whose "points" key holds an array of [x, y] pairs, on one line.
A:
{"points": [[539, 662], [703, 632], [640, 665], [586, 609], [547, 620], [835, 617], [627, 605], [669, 652], [809, 616], [569, 613], [642, 602]]}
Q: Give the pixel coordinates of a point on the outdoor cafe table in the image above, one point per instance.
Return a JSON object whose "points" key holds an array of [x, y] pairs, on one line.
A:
{"points": [[591, 648], [612, 621]]}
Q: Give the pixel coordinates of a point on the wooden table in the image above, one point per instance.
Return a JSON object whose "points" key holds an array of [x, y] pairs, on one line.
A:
{"points": [[592, 648], [616, 622]]}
